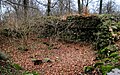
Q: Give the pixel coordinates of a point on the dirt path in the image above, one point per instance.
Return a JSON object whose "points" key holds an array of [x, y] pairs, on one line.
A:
{"points": [[67, 59]]}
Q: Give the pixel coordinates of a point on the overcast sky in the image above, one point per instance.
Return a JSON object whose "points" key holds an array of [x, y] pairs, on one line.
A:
{"points": [[93, 1], [92, 5], [118, 2]]}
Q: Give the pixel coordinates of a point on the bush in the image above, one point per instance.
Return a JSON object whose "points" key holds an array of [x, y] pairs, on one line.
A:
{"points": [[11, 33]]}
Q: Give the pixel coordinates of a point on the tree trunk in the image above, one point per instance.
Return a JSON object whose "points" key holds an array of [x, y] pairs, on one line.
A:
{"points": [[48, 7], [0, 10], [100, 8], [82, 6], [79, 7], [61, 7], [86, 8], [109, 7], [25, 35], [26, 4], [69, 6]]}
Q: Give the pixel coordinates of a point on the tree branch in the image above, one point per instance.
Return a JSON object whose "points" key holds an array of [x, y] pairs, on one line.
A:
{"points": [[46, 4], [10, 2]]}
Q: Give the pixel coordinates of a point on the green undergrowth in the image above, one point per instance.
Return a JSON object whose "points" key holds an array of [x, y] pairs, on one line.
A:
{"points": [[7, 67], [108, 59], [73, 29], [8, 32], [107, 52]]}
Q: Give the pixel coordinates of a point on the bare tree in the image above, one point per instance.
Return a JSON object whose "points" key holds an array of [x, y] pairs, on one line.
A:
{"points": [[16, 5], [61, 7], [79, 7], [110, 7], [69, 6], [0, 10], [48, 7], [26, 4], [100, 8], [82, 4], [86, 3]]}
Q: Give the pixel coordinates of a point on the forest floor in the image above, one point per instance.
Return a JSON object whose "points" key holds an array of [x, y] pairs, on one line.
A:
{"points": [[66, 58]]}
